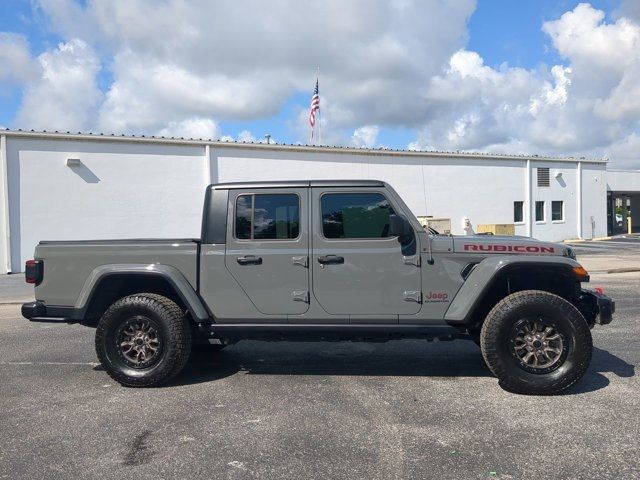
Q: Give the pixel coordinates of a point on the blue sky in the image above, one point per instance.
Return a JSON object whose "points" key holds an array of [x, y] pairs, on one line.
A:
{"points": [[511, 31], [429, 75]]}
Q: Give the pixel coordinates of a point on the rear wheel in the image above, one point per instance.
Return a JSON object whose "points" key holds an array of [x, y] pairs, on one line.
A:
{"points": [[143, 340], [536, 343]]}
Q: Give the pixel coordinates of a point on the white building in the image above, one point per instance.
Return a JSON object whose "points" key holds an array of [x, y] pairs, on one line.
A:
{"points": [[64, 186]]}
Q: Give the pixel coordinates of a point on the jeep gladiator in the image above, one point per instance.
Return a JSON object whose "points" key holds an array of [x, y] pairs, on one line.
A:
{"points": [[321, 260]]}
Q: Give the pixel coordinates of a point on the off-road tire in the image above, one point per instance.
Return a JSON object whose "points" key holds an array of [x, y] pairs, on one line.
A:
{"points": [[172, 328], [497, 346]]}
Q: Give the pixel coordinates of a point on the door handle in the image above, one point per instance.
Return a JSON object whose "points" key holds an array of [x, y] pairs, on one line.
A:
{"points": [[330, 260], [250, 260]]}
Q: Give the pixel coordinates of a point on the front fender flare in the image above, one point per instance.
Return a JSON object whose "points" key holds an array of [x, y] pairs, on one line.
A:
{"points": [[484, 274], [171, 274]]}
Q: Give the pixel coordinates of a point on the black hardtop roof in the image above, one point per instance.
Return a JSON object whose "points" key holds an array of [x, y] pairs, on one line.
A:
{"points": [[298, 183]]}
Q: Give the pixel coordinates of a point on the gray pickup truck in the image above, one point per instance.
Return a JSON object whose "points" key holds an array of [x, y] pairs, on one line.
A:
{"points": [[321, 260]]}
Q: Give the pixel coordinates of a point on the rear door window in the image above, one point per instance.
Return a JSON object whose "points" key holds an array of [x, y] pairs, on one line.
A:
{"points": [[267, 217]]}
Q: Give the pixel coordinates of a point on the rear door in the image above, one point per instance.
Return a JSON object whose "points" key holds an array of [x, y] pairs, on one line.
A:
{"points": [[357, 268], [268, 247]]}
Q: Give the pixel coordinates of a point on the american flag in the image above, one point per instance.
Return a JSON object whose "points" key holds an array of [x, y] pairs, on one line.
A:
{"points": [[315, 106]]}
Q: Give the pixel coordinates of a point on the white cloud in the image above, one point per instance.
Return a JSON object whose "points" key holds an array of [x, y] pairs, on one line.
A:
{"points": [[64, 95], [246, 136], [365, 137], [16, 64], [629, 9], [586, 106], [173, 60], [625, 153], [195, 127], [181, 67], [582, 36], [147, 93], [553, 94]]}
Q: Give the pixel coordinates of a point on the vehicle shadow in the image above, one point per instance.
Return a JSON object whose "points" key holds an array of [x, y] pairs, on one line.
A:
{"points": [[602, 361], [396, 358]]}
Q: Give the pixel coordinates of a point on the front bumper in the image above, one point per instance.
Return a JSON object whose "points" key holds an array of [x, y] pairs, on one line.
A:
{"points": [[601, 306], [38, 312]]}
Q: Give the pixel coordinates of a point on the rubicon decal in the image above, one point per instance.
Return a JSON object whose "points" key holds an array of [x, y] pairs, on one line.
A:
{"points": [[436, 297], [469, 247]]}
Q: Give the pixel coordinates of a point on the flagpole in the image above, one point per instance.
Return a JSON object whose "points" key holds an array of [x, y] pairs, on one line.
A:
{"points": [[319, 111], [311, 130]]}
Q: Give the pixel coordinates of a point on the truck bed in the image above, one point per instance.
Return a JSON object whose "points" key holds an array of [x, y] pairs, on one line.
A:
{"points": [[68, 264]]}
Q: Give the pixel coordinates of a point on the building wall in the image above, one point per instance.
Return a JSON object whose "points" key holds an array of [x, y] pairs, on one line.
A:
{"points": [[129, 188], [623, 181], [4, 208], [441, 187], [480, 189], [594, 201], [120, 190]]}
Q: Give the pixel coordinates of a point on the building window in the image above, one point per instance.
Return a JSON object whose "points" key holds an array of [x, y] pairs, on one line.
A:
{"points": [[557, 211], [539, 211], [543, 177], [355, 215], [267, 217], [518, 212]]}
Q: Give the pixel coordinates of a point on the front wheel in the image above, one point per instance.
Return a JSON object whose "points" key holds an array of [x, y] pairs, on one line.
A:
{"points": [[143, 340], [536, 343]]}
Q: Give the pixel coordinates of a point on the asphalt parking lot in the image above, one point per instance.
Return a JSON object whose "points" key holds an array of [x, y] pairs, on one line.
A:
{"points": [[402, 409]]}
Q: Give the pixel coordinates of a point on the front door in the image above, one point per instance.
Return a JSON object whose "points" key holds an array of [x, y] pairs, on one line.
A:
{"points": [[357, 268], [268, 247]]}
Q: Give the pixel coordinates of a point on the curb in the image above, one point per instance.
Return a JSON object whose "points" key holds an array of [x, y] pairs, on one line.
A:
{"points": [[623, 270], [582, 240]]}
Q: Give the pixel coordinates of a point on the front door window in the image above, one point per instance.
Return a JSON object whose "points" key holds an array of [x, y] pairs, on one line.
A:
{"points": [[355, 215]]}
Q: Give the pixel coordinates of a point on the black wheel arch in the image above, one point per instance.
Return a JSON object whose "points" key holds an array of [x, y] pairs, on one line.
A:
{"points": [[114, 286], [558, 279]]}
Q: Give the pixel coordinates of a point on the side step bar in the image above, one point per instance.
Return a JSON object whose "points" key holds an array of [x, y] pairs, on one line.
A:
{"points": [[51, 320], [319, 331]]}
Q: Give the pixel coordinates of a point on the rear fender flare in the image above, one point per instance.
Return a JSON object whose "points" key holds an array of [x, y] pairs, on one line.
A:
{"points": [[171, 274]]}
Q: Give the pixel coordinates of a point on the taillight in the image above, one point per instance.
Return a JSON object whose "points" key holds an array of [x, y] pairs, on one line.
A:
{"points": [[33, 271]]}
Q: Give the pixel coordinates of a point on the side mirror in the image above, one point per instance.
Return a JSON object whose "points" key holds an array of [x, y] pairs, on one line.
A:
{"points": [[399, 226]]}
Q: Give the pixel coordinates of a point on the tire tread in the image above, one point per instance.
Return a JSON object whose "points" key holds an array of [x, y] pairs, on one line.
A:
{"points": [[179, 333], [495, 322]]}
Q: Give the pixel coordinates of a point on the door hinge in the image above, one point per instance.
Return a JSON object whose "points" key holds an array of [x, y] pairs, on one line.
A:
{"points": [[303, 261], [300, 296], [412, 260], [412, 296]]}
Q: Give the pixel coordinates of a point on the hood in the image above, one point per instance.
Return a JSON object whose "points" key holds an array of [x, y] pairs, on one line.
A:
{"points": [[509, 245]]}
